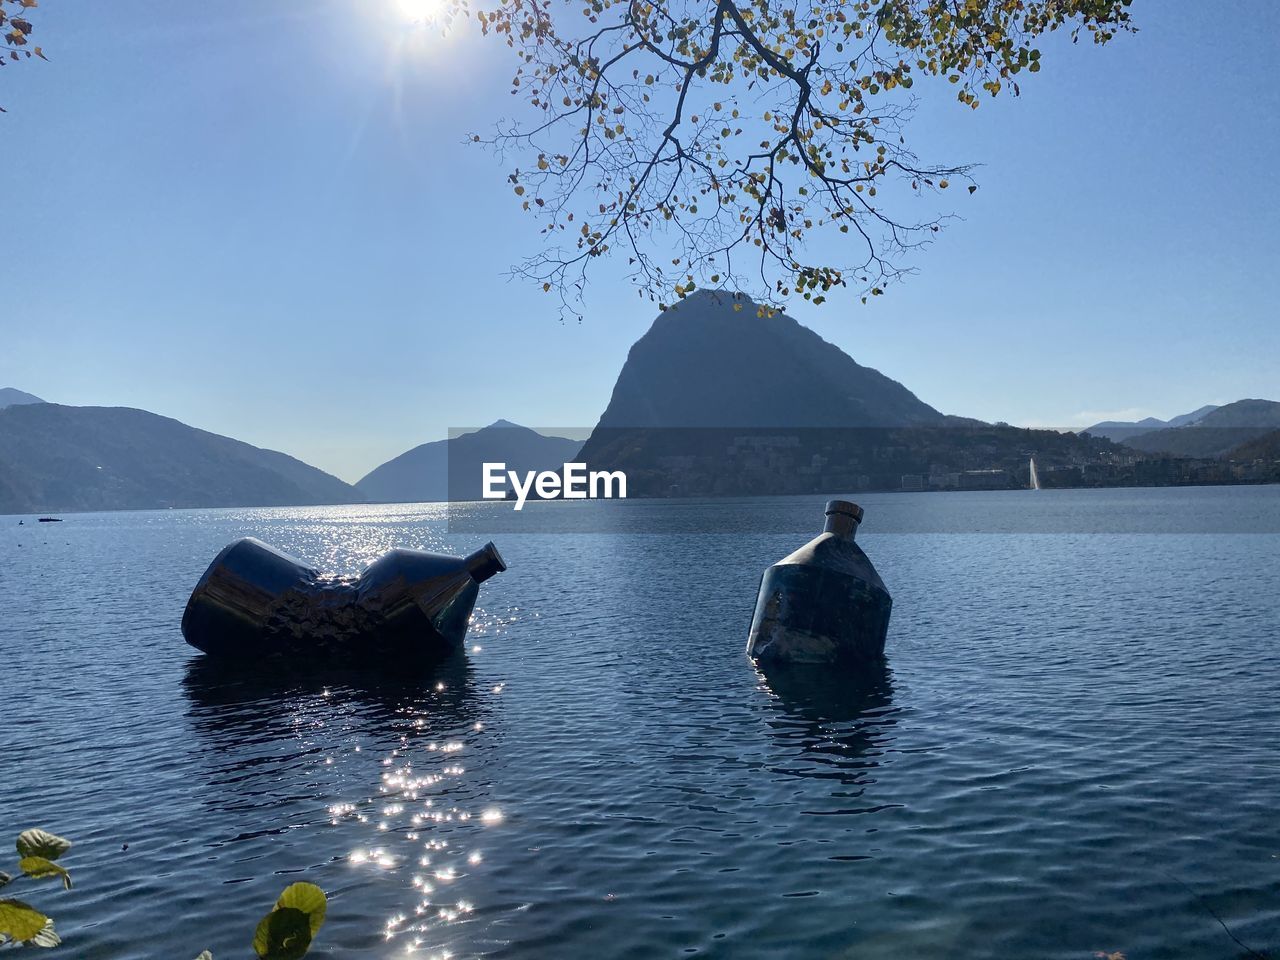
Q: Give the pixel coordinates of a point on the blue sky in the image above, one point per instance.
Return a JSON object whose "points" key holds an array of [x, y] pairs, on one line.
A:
{"points": [[261, 218]]}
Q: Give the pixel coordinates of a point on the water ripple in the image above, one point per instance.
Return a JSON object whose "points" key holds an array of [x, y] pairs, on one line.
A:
{"points": [[1070, 752]]}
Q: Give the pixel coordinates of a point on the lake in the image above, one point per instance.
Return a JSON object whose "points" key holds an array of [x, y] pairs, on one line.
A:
{"points": [[1072, 749]]}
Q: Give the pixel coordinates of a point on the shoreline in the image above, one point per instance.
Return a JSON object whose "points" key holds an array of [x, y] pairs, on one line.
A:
{"points": [[728, 498]]}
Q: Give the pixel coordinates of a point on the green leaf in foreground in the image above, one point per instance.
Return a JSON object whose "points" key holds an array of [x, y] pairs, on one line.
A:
{"points": [[283, 934], [38, 868], [21, 922], [41, 843], [308, 898]]}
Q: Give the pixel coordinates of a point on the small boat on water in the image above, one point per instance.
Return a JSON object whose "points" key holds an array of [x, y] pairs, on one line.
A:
{"points": [[50, 519]]}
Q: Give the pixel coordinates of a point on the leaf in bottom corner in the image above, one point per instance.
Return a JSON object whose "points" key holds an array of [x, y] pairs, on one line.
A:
{"points": [[308, 898], [20, 921], [283, 934]]}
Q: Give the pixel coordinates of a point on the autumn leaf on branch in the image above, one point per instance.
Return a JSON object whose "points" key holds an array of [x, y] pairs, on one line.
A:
{"points": [[16, 30], [748, 143]]}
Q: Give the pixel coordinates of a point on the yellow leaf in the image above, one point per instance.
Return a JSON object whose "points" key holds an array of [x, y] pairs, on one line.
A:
{"points": [[19, 921], [39, 867]]}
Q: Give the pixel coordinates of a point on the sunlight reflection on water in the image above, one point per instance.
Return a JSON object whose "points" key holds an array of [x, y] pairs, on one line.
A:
{"points": [[1067, 723]]}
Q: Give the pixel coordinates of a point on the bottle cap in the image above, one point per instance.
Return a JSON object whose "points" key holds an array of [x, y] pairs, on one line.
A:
{"points": [[846, 507], [485, 562]]}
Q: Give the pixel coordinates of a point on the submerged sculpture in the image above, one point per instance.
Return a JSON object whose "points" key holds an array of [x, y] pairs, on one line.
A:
{"points": [[825, 603], [256, 602]]}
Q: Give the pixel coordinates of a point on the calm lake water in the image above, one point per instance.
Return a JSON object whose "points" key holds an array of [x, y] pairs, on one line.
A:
{"points": [[1073, 748]]}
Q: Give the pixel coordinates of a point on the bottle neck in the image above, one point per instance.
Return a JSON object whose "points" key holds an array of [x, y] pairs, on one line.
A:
{"points": [[843, 517], [485, 562], [841, 524]]}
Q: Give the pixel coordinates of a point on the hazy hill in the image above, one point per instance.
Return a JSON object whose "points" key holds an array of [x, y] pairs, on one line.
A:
{"points": [[1265, 447], [703, 363], [1214, 434], [9, 397], [54, 457], [1122, 430], [424, 474], [1195, 416]]}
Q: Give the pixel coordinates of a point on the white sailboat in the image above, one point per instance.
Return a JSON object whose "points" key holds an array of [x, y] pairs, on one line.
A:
{"points": [[1035, 476]]}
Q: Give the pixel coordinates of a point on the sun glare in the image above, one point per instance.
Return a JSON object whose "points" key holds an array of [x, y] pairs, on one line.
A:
{"points": [[419, 11]]}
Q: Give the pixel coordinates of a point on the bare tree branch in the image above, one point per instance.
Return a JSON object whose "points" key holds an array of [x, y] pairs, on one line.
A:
{"points": [[682, 134]]}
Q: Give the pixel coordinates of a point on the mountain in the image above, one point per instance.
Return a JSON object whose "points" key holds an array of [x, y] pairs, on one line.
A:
{"points": [[1265, 447], [54, 457], [718, 401], [9, 397], [1214, 434], [453, 469], [1195, 416], [710, 361], [1121, 430]]}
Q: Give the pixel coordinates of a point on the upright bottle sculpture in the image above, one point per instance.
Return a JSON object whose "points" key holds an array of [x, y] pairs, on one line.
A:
{"points": [[255, 602], [825, 603]]}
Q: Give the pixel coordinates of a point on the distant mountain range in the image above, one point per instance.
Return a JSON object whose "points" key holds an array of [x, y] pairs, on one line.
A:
{"points": [[9, 397], [1122, 430], [1215, 434], [718, 397], [54, 457], [453, 469]]}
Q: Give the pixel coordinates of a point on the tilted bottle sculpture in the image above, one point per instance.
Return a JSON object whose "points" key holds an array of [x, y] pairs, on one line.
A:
{"points": [[823, 604], [256, 602]]}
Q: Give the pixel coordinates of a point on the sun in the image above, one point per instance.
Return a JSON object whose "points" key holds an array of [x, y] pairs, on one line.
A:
{"points": [[419, 11]]}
